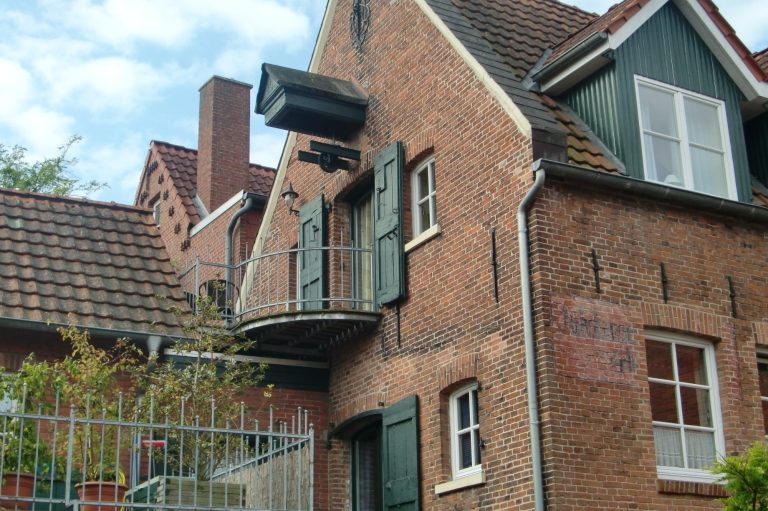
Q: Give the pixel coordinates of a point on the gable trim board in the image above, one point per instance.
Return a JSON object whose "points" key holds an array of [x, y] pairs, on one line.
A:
{"points": [[207, 219], [740, 73]]}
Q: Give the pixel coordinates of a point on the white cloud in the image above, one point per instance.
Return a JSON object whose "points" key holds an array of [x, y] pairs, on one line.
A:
{"points": [[15, 88], [40, 130], [237, 62], [266, 148], [118, 164], [104, 84]]}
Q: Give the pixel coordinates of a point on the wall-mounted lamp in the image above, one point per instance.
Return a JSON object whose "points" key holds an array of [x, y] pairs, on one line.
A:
{"points": [[289, 196]]}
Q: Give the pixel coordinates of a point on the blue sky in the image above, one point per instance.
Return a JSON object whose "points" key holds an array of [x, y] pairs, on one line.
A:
{"points": [[123, 72]]}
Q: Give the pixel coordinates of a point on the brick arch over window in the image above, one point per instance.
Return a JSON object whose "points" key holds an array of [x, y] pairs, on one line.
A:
{"points": [[686, 320], [457, 371]]}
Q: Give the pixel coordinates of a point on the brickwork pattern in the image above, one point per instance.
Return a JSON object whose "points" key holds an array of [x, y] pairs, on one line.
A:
{"points": [[223, 140], [450, 325], [595, 404]]}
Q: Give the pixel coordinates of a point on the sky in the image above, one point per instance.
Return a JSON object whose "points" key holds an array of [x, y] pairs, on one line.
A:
{"points": [[120, 73]]}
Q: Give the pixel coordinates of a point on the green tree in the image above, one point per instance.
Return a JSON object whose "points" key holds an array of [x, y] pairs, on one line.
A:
{"points": [[746, 479], [51, 175]]}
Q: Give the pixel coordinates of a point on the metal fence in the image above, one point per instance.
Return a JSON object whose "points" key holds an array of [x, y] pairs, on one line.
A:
{"points": [[269, 283], [213, 463]]}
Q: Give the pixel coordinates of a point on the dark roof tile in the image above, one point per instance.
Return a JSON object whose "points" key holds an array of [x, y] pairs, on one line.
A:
{"points": [[101, 265]]}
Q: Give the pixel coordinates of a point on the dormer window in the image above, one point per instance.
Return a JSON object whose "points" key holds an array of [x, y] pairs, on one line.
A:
{"points": [[685, 139]]}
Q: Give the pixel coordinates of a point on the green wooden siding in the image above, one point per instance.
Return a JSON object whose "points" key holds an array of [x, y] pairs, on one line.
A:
{"points": [[389, 265], [312, 263], [666, 48], [757, 147]]}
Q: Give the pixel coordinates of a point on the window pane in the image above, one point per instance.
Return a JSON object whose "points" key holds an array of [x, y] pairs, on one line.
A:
{"points": [[476, 434], [663, 404], [669, 448], [658, 111], [367, 474], [659, 356], [700, 448], [463, 409], [663, 160], [762, 371], [765, 416], [709, 172], [703, 124], [465, 444], [423, 184], [424, 216], [474, 401], [695, 403], [691, 367]]}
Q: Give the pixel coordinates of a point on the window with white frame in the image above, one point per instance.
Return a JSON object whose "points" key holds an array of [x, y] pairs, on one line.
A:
{"points": [[156, 212], [424, 207], [685, 408], [685, 139], [762, 372], [465, 432]]}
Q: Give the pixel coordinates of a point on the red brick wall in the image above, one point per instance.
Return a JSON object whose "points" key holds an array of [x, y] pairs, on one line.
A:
{"points": [[223, 140], [598, 438], [209, 242], [451, 327]]}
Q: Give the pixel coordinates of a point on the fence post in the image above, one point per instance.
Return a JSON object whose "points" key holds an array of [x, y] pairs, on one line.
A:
{"points": [[70, 448], [311, 495]]}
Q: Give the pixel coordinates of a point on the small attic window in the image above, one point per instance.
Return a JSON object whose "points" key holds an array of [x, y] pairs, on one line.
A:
{"points": [[156, 212]]}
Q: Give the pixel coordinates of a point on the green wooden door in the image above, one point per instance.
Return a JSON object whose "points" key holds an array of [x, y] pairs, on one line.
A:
{"points": [[400, 460], [388, 225], [312, 235]]}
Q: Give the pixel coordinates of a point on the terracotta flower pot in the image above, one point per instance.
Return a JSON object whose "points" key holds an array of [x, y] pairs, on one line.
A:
{"points": [[26, 486], [103, 491]]}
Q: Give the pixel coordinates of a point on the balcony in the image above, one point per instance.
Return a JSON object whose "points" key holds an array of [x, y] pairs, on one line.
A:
{"points": [[295, 302]]}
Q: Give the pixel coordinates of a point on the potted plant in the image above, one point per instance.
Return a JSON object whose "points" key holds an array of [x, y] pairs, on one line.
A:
{"points": [[24, 455], [92, 380], [201, 387]]}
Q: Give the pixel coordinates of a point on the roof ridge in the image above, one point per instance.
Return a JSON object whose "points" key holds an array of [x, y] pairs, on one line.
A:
{"points": [[77, 200], [162, 142]]}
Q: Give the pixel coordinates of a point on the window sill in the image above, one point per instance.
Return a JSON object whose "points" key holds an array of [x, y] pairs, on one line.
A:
{"points": [[460, 483], [669, 487], [423, 238]]}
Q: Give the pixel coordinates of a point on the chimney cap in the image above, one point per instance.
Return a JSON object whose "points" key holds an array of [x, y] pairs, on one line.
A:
{"points": [[230, 80]]}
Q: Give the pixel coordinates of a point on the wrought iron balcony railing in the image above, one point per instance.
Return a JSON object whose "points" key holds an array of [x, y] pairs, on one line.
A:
{"points": [[274, 283]]}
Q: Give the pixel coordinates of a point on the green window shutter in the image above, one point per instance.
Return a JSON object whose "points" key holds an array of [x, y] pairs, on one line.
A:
{"points": [[389, 268], [312, 263], [400, 460]]}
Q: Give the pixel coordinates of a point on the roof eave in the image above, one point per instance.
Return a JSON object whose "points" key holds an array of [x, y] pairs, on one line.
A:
{"points": [[589, 56]]}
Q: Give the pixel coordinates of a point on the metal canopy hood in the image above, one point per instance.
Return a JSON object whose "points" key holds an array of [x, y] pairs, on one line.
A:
{"points": [[310, 103]]}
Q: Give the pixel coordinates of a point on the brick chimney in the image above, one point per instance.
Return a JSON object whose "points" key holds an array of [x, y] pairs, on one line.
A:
{"points": [[224, 140]]}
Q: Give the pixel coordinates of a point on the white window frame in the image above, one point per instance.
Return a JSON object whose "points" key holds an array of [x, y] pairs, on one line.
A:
{"points": [[474, 422], [679, 95], [691, 474], [156, 212], [431, 197], [762, 358]]}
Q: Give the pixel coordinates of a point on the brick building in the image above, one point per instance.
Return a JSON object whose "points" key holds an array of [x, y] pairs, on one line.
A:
{"points": [[530, 242]]}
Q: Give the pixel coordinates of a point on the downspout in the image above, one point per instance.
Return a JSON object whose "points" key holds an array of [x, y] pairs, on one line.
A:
{"points": [[530, 354], [250, 202]]}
